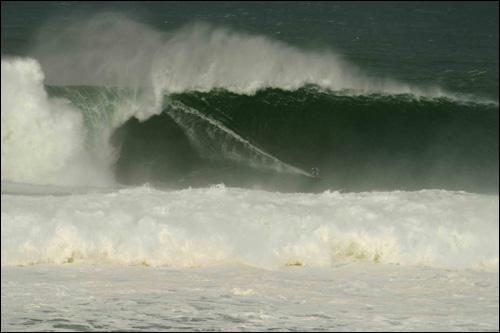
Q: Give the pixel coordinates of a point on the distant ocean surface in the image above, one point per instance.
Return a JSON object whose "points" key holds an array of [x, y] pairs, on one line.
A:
{"points": [[249, 166]]}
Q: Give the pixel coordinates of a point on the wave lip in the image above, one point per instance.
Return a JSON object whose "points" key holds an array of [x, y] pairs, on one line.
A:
{"points": [[204, 227]]}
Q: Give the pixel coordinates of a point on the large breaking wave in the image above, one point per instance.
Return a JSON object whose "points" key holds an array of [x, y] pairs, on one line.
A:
{"points": [[230, 104], [119, 102]]}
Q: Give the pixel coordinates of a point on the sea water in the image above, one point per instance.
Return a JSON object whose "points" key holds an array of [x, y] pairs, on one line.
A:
{"points": [[156, 166]]}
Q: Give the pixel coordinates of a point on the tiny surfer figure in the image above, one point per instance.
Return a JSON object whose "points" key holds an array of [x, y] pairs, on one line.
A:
{"points": [[315, 172]]}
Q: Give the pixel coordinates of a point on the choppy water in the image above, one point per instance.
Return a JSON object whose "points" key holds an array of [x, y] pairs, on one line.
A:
{"points": [[348, 297]]}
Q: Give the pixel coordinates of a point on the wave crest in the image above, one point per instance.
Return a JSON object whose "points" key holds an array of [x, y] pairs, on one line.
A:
{"points": [[110, 49]]}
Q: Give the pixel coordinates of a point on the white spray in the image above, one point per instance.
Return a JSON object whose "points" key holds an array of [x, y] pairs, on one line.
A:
{"points": [[43, 139]]}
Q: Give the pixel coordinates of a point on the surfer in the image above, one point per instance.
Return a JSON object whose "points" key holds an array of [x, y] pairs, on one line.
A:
{"points": [[315, 172]]}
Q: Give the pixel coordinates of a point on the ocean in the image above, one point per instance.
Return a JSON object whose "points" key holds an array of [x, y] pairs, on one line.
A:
{"points": [[257, 166]]}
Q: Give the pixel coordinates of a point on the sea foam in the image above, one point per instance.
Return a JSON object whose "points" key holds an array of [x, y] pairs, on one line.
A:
{"points": [[220, 225], [43, 139]]}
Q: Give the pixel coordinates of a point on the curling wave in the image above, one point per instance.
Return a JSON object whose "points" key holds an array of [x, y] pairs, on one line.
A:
{"points": [[103, 74]]}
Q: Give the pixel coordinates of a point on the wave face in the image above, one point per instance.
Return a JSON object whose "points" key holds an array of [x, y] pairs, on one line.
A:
{"points": [[203, 105], [219, 225], [273, 138]]}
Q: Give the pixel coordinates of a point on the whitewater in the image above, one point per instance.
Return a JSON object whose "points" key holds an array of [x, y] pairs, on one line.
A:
{"points": [[218, 225], [238, 259], [82, 251]]}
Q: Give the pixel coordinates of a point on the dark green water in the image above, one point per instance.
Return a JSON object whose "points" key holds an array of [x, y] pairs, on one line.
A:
{"points": [[367, 141]]}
